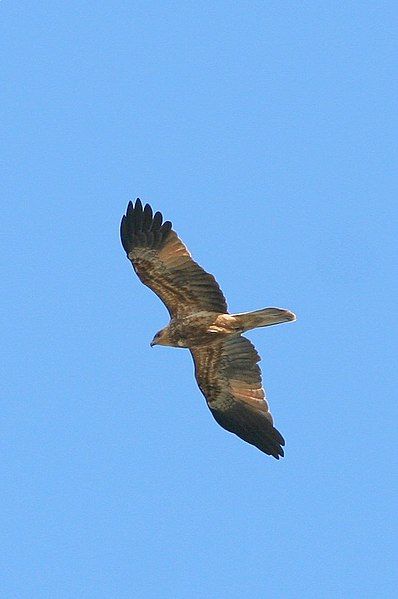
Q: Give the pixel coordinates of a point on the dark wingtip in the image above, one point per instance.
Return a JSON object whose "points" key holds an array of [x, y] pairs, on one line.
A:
{"points": [[278, 437], [140, 220], [271, 443], [156, 221], [272, 448], [277, 441], [124, 233], [130, 208], [147, 217], [166, 227]]}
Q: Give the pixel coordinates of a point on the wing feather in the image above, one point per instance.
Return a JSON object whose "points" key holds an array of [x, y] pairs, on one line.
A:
{"points": [[230, 379], [164, 264]]}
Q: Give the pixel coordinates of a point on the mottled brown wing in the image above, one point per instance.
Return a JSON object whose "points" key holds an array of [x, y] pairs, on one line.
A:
{"points": [[164, 264], [230, 379]]}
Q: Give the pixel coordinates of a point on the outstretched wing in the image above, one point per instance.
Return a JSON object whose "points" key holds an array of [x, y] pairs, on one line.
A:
{"points": [[164, 264], [230, 379]]}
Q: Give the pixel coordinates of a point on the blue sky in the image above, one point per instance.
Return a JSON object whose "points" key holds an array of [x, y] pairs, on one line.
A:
{"points": [[266, 132]]}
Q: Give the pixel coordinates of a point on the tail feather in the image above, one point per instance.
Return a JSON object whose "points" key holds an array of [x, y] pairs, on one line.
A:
{"points": [[263, 318]]}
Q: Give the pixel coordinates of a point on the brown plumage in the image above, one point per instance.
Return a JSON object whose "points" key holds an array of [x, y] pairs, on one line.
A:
{"points": [[226, 367]]}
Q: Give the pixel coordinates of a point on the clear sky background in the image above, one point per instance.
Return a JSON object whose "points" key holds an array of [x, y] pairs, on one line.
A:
{"points": [[267, 132]]}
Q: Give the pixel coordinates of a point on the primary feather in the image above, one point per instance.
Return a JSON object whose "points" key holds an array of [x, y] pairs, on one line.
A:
{"points": [[164, 264]]}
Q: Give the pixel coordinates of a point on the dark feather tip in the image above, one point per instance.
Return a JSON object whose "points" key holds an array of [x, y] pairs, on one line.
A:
{"points": [[165, 228], [147, 217], [141, 227], [156, 221], [130, 209]]}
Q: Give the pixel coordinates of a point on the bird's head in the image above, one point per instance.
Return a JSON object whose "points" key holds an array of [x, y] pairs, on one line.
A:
{"points": [[161, 338]]}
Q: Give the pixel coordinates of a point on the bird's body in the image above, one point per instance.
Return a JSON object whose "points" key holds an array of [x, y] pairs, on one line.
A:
{"points": [[195, 330], [205, 328], [225, 362]]}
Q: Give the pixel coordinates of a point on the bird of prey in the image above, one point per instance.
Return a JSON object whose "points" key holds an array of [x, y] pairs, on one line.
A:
{"points": [[226, 368]]}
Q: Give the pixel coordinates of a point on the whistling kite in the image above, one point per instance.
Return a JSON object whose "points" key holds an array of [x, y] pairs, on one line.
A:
{"points": [[226, 367]]}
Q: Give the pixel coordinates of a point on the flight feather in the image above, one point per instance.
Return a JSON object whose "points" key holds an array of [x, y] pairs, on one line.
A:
{"points": [[229, 377], [164, 264]]}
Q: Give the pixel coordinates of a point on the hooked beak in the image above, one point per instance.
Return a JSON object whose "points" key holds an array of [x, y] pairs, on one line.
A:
{"points": [[152, 343]]}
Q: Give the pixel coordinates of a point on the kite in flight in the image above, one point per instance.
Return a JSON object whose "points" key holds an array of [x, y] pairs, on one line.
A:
{"points": [[225, 362]]}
